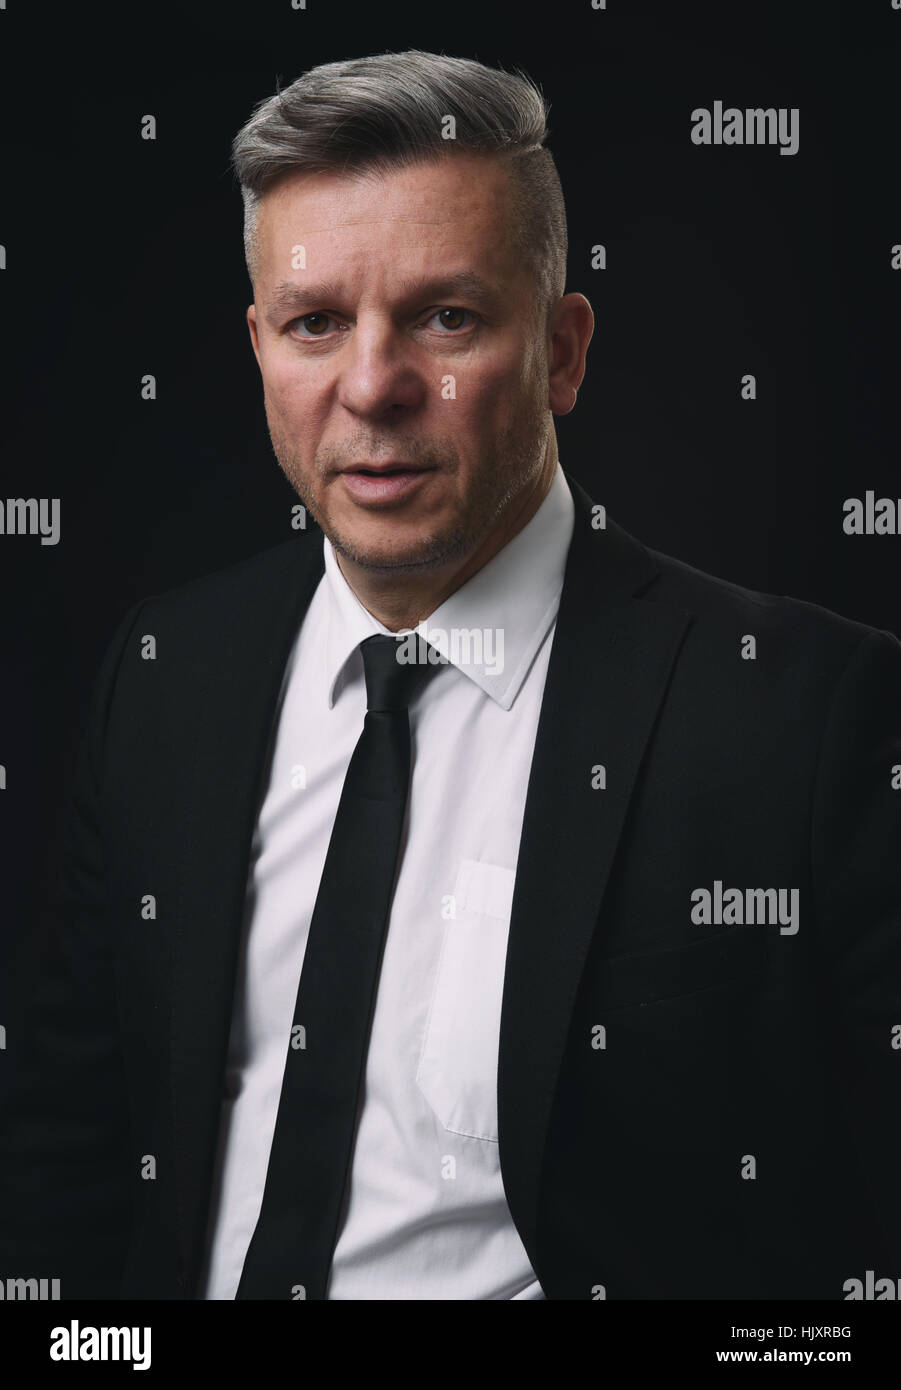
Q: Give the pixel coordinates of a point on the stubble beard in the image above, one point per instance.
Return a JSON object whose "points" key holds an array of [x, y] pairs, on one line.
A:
{"points": [[511, 462]]}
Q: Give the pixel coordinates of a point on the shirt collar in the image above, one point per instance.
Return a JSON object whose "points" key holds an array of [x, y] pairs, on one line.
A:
{"points": [[492, 626]]}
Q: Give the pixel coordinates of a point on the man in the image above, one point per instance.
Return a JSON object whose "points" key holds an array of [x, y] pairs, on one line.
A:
{"points": [[462, 901]]}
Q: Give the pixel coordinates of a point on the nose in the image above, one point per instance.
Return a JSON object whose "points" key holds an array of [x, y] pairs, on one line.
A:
{"points": [[376, 372]]}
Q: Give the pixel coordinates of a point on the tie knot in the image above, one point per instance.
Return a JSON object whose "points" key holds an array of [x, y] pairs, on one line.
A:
{"points": [[392, 676]]}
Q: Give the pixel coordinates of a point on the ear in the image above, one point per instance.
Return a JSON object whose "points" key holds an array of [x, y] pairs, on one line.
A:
{"points": [[570, 328], [254, 338]]}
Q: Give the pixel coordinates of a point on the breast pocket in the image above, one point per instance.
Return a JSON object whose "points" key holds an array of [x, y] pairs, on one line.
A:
{"points": [[457, 1070]]}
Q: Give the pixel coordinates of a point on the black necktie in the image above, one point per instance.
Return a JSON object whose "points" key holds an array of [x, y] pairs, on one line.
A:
{"points": [[290, 1253]]}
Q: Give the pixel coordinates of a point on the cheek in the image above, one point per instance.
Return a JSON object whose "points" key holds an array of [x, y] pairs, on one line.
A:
{"points": [[498, 393], [287, 393]]}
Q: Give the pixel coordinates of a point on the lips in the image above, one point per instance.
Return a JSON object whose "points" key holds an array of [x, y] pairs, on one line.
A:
{"points": [[379, 470], [385, 485]]}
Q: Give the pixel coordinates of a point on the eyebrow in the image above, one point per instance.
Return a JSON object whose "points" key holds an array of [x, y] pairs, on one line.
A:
{"points": [[292, 295]]}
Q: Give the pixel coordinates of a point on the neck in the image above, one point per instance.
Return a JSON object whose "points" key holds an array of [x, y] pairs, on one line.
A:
{"points": [[403, 601]]}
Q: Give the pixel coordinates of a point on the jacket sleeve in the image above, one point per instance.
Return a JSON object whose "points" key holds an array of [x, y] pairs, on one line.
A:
{"points": [[64, 1128], [856, 862]]}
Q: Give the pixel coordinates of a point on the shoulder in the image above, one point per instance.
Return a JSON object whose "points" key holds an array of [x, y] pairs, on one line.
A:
{"points": [[243, 584], [793, 627], [761, 660]]}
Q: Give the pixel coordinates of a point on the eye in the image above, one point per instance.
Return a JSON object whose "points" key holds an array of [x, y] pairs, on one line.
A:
{"points": [[313, 322], [454, 314]]}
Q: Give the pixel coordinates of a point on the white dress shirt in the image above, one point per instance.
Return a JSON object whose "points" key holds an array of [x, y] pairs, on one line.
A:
{"points": [[425, 1215]]}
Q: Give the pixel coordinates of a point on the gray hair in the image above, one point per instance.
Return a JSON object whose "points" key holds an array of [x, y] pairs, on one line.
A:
{"points": [[386, 111]]}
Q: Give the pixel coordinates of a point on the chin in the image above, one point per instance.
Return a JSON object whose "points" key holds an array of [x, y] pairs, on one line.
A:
{"points": [[370, 552]]}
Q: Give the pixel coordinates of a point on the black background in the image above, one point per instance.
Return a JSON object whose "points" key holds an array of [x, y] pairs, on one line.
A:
{"points": [[124, 257]]}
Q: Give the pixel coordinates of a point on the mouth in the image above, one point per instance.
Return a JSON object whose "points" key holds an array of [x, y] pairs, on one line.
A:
{"points": [[384, 483], [382, 470]]}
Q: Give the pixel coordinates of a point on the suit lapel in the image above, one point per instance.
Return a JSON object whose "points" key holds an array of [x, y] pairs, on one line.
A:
{"points": [[610, 662], [234, 709]]}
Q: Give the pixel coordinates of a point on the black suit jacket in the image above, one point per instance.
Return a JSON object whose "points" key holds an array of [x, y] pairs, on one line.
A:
{"points": [[737, 1133]]}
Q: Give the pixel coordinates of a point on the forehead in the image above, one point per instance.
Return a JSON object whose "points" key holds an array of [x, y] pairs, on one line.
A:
{"points": [[450, 214]]}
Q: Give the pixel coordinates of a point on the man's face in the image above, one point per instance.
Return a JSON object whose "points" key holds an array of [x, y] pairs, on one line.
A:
{"points": [[406, 336]]}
